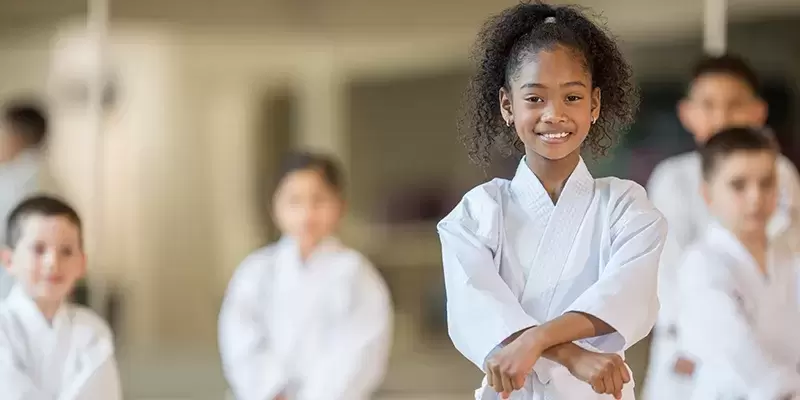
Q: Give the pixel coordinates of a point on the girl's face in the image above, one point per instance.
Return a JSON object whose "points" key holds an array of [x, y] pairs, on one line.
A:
{"points": [[742, 192], [551, 103], [306, 207]]}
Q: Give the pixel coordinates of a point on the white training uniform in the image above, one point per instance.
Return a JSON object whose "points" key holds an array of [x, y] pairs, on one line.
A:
{"points": [[674, 188], [742, 327], [319, 329], [513, 259], [70, 359]]}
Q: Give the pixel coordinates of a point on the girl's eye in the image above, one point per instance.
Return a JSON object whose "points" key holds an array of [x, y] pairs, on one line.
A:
{"points": [[535, 99], [573, 98]]}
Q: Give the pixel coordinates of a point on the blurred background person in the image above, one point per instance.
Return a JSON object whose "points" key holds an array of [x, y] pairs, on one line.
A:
{"points": [[49, 347], [723, 93], [306, 318], [23, 130], [738, 285]]}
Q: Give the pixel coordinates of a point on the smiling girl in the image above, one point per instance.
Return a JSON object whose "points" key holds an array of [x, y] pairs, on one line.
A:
{"points": [[552, 275]]}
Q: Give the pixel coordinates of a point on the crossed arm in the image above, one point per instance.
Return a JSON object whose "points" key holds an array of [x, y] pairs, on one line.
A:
{"points": [[615, 312]]}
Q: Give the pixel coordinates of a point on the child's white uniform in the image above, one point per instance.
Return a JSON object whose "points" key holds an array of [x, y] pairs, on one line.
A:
{"points": [[513, 259], [314, 330], [70, 359], [674, 188], [741, 326]]}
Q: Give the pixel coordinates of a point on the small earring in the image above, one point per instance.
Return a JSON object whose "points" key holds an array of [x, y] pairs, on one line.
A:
{"points": [[509, 122], [593, 120]]}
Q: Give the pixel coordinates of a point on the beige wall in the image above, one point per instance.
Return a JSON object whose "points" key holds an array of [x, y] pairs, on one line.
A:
{"points": [[25, 63]]}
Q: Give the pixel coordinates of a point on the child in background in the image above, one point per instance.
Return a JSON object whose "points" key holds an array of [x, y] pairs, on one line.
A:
{"points": [[738, 287], [723, 93], [306, 318], [50, 349]]}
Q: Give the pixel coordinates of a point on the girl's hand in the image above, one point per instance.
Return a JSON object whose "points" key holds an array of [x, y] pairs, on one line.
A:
{"points": [[607, 373], [507, 369]]}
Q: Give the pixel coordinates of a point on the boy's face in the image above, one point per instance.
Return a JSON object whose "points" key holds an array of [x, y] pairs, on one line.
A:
{"points": [[717, 101], [743, 192], [48, 258]]}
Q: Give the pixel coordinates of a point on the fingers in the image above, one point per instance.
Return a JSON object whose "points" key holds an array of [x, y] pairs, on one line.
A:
{"points": [[497, 380], [508, 386], [503, 382], [519, 382], [489, 377], [626, 373], [617, 377], [608, 382], [598, 385]]}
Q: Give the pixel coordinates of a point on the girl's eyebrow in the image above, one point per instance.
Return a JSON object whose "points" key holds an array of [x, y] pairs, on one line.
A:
{"points": [[543, 86]]}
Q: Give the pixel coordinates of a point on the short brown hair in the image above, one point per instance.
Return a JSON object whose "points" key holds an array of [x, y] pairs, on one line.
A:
{"points": [[734, 140], [38, 205]]}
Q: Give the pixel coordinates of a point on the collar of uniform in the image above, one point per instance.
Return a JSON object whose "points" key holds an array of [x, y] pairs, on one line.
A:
{"points": [[290, 248], [530, 191], [30, 315], [722, 238]]}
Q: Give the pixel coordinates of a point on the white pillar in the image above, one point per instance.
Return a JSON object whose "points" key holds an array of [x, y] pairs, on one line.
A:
{"points": [[98, 37], [321, 118], [321, 108], [715, 27], [233, 120]]}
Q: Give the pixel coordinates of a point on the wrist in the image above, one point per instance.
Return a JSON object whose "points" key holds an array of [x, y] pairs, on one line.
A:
{"points": [[541, 336], [567, 354], [536, 340]]}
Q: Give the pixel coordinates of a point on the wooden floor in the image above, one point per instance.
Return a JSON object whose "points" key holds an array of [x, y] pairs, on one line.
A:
{"points": [[424, 364]]}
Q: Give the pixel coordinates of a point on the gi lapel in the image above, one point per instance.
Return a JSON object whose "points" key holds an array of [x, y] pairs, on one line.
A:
{"points": [[558, 240], [87, 359]]}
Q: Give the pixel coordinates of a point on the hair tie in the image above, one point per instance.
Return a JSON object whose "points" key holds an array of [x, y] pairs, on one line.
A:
{"points": [[550, 20]]}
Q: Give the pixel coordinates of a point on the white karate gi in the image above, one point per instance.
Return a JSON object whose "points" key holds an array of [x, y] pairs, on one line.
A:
{"points": [[513, 260], [314, 330], [740, 325], [674, 188], [70, 359]]}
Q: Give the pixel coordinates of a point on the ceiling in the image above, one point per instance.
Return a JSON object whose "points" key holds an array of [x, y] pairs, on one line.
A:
{"points": [[631, 18]]}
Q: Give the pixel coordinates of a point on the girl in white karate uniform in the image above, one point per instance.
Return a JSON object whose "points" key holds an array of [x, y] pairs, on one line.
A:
{"points": [[740, 306], [50, 349], [552, 275], [306, 318]]}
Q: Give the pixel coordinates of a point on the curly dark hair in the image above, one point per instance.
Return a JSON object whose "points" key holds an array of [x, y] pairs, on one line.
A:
{"points": [[503, 45]]}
